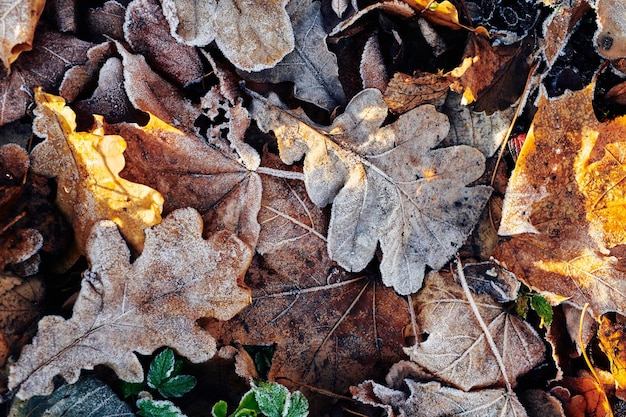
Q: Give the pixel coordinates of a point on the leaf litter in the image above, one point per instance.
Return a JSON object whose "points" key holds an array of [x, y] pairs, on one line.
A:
{"points": [[403, 170]]}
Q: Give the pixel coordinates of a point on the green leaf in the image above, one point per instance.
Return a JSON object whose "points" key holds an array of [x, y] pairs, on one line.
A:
{"points": [[131, 389], [248, 406], [543, 309], [157, 408], [521, 306], [177, 386], [271, 398], [298, 406], [87, 397], [219, 409], [161, 368], [178, 367]]}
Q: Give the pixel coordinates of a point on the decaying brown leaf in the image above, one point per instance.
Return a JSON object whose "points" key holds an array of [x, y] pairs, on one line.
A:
{"points": [[564, 206], [14, 164], [372, 69], [18, 20], [311, 66], [253, 35], [610, 38], [405, 92], [455, 349], [582, 396], [387, 184], [125, 308], [86, 165], [43, 66], [431, 399]]}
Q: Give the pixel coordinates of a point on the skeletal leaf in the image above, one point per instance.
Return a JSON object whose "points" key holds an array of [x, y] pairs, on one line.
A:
{"points": [[125, 308], [18, 19], [387, 184], [455, 349], [253, 35], [311, 66], [87, 165]]}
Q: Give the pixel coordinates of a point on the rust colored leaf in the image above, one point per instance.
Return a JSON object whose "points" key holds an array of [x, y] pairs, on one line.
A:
{"points": [[17, 28], [253, 35], [14, 164], [455, 349], [405, 92], [43, 66], [86, 165], [612, 336], [125, 308], [583, 397], [564, 206], [387, 184], [617, 94]]}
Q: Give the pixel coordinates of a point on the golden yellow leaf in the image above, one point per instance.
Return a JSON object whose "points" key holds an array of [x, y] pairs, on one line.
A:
{"points": [[86, 165], [437, 12], [612, 338]]}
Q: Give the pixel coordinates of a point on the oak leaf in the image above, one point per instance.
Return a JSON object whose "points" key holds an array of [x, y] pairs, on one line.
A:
{"points": [[17, 28], [456, 350], [87, 165], [387, 184], [253, 35], [124, 308], [563, 208], [311, 66]]}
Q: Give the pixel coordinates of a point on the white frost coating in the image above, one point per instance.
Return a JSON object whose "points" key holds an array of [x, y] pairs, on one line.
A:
{"points": [[516, 216]]}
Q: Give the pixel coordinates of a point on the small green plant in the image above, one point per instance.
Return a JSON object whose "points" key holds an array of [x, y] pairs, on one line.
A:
{"points": [[529, 300], [268, 399], [164, 377]]}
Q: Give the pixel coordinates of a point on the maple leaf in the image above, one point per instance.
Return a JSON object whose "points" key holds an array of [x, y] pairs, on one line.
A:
{"points": [[253, 35], [386, 184], [456, 350], [311, 66], [87, 166], [17, 28], [124, 308], [563, 207], [611, 335]]}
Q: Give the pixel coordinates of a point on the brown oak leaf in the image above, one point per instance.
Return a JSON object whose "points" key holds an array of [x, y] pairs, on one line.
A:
{"points": [[124, 308], [563, 208], [455, 349], [387, 184], [17, 28]]}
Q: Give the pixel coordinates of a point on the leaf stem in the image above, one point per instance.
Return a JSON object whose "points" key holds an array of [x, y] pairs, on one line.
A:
{"points": [[483, 326], [290, 175]]}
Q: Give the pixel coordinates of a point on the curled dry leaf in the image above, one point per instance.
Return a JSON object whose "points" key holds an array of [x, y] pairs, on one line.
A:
{"points": [[387, 184], [431, 399], [17, 28], [148, 33], [44, 66], [253, 35], [86, 165], [455, 349], [311, 66], [372, 69], [563, 208], [124, 308]]}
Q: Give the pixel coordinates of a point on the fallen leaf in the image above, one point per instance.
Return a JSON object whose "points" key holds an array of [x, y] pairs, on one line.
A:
{"points": [[455, 349], [563, 206], [339, 7], [125, 308], [86, 165], [405, 92], [617, 94], [557, 28], [583, 397], [76, 79], [539, 403], [610, 38], [311, 66], [612, 337], [107, 22], [431, 399], [386, 184], [14, 164], [506, 20], [437, 12], [190, 173], [372, 68], [18, 246], [18, 22], [148, 33], [253, 35], [43, 66]]}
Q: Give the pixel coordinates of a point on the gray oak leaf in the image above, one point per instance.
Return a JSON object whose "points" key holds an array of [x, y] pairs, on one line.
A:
{"points": [[387, 184]]}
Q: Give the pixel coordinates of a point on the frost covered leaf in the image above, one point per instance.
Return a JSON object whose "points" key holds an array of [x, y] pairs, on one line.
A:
{"points": [[405, 92], [188, 172], [17, 28], [456, 350], [610, 38], [387, 184], [564, 206], [253, 35], [311, 66], [124, 308], [86, 165], [431, 399]]}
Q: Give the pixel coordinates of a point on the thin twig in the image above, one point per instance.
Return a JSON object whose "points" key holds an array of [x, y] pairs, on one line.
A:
{"points": [[483, 326]]}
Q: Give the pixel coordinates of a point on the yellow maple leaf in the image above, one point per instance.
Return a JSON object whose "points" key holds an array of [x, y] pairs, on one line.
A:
{"points": [[87, 166], [612, 337]]}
